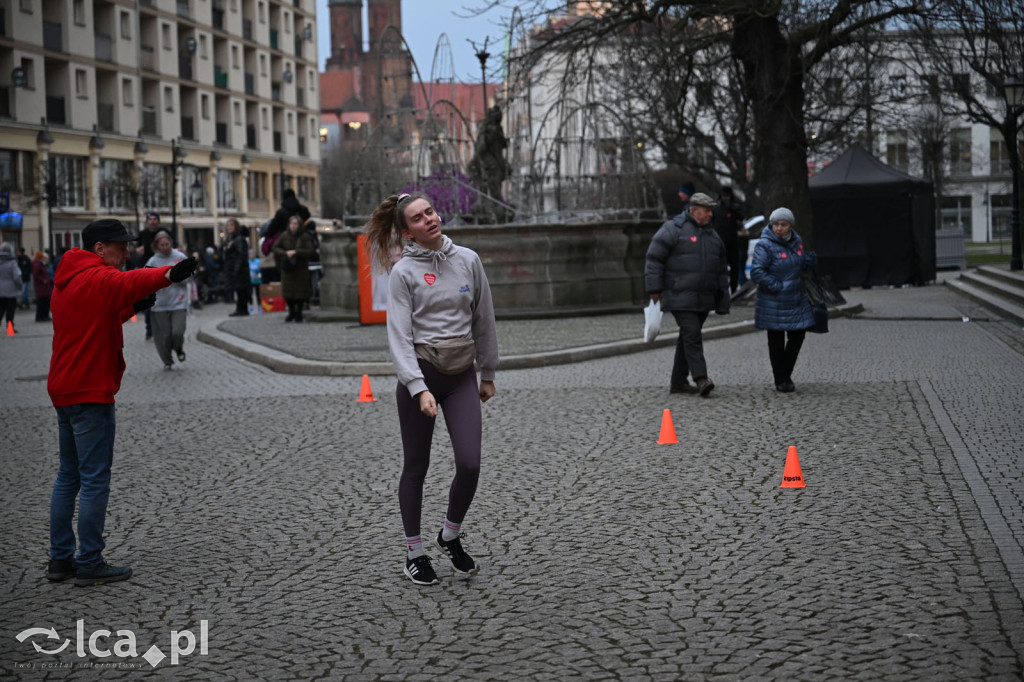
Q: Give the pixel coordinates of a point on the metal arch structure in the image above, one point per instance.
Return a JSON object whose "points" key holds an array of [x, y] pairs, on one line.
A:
{"points": [[518, 117]]}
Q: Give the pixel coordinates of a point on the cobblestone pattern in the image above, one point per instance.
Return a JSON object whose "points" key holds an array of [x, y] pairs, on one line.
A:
{"points": [[266, 504]]}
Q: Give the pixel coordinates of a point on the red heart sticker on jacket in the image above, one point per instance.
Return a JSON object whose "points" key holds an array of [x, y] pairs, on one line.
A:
{"points": [[782, 255], [429, 278], [693, 239]]}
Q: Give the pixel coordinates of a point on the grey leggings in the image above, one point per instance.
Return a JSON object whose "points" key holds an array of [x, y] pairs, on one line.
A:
{"points": [[458, 398]]}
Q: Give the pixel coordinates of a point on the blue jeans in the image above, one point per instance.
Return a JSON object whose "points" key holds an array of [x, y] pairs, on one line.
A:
{"points": [[86, 439]]}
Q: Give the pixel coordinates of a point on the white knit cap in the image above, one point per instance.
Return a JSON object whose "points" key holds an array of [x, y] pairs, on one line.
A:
{"points": [[781, 214]]}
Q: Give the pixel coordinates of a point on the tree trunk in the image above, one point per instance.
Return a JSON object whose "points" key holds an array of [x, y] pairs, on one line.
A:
{"points": [[773, 72]]}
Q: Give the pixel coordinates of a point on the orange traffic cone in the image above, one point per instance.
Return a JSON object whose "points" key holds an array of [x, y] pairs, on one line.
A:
{"points": [[668, 431], [10, 328], [792, 477], [134, 319], [365, 394]]}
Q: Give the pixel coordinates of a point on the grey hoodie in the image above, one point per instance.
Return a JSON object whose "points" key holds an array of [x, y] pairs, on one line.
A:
{"points": [[437, 295]]}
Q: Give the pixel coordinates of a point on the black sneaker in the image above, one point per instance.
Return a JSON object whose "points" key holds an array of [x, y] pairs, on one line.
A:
{"points": [[101, 573], [181, 356], [60, 569], [462, 562], [685, 387], [420, 571]]}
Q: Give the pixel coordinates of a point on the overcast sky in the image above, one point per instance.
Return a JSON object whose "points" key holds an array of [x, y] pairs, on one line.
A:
{"points": [[423, 21]]}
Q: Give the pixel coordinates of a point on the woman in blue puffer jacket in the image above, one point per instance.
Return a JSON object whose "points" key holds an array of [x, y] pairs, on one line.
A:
{"points": [[782, 307]]}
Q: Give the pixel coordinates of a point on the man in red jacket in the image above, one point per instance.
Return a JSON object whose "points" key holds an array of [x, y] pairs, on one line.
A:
{"points": [[92, 298]]}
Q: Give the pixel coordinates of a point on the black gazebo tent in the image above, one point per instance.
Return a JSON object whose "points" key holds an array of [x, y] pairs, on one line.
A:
{"points": [[873, 225]]}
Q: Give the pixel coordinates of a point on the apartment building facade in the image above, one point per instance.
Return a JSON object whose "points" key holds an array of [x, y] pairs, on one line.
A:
{"points": [[200, 110]]}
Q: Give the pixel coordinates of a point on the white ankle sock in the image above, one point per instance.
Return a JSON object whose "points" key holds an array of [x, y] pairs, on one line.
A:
{"points": [[415, 546], [450, 530]]}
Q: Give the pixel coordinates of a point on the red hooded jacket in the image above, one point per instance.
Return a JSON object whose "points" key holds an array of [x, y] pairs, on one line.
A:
{"points": [[90, 302]]}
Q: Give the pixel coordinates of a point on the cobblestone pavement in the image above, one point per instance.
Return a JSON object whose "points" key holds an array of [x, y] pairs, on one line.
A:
{"points": [[265, 505]]}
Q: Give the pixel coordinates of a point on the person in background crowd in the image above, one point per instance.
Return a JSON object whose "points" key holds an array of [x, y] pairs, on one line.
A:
{"points": [[440, 319], [236, 268], [92, 298], [10, 283], [686, 190], [170, 311], [687, 271], [212, 265], [42, 282], [782, 307], [292, 250], [143, 252], [728, 221], [255, 277], [25, 263]]}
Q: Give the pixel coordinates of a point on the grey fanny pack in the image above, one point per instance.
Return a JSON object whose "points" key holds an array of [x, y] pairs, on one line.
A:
{"points": [[449, 356]]}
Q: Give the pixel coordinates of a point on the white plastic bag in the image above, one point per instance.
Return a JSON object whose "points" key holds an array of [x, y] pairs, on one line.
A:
{"points": [[652, 320]]}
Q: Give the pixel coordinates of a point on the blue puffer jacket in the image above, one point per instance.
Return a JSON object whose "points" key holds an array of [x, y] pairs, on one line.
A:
{"points": [[777, 267], [687, 268]]}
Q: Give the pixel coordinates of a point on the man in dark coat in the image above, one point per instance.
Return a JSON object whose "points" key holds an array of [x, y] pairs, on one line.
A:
{"points": [[236, 267], [728, 221], [687, 271]]}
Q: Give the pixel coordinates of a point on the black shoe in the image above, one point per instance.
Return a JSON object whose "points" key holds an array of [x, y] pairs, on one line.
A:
{"points": [[786, 386], [420, 571], [60, 569], [462, 562], [181, 356], [101, 573], [239, 313], [686, 387], [704, 386]]}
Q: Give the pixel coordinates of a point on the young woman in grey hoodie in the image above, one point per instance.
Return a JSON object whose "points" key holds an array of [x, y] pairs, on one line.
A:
{"points": [[440, 319]]}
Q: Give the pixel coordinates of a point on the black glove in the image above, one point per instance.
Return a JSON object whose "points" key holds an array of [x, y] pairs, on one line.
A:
{"points": [[183, 270], [145, 304]]}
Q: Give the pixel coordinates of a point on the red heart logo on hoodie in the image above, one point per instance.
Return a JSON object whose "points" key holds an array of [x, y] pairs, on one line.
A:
{"points": [[693, 239], [429, 278]]}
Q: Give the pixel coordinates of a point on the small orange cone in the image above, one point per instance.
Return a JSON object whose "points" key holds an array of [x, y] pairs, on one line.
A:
{"points": [[792, 477], [668, 431], [134, 319], [10, 328], [365, 394]]}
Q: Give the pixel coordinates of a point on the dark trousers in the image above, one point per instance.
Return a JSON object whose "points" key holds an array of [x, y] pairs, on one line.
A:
{"points": [[242, 299], [295, 309], [42, 309], [690, 347], [783, 353], [458, 398], [733, 257], [7, 308]]}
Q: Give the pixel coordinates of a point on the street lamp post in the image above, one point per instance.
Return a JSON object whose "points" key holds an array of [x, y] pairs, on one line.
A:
{"points": [[483, 55], [1013, 88], [178, 154]]}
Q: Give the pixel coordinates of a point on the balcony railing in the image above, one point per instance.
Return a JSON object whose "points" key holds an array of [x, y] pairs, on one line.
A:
{"points": [[104, 53], [188, 128], [185, 67], [222, 133], [250, 84], [105, 117], [55, 110], [250, 137], [149, 120], [220, 78], [275, 91], [148, 57], [247, 29], [53, 36]]}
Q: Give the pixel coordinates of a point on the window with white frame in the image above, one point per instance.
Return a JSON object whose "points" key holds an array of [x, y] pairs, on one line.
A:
{"points": [[116, 185], [165, 35], [155, 187], [126, 25], [67, 181], [127, 96], [234, 56], [78, 11], [896, 151], [193, 189], [238, 113], [960, 151], [204, 106], [203, 53], [955, 213], [81, 84], [227, 189], [168, 98]]}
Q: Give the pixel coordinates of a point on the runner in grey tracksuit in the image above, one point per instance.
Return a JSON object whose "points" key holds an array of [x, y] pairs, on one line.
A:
{"points": [[437, 294]]}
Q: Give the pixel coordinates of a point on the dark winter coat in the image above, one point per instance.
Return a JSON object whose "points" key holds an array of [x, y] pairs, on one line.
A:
{"points": [[236, 262], [777, 267], [42, 278], [289, 206], [296, 284], [687, 267]]}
